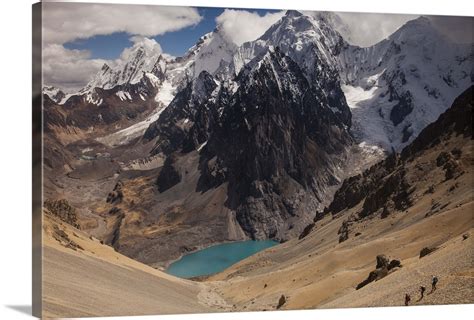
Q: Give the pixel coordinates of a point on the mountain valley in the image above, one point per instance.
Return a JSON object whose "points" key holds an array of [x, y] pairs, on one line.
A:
{"points": [[340, 153]]}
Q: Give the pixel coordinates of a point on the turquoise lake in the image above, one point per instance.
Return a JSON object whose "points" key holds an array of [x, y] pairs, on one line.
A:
{"points": [[216, 258]]}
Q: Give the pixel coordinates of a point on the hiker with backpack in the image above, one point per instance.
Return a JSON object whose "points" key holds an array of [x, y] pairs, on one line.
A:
{"points": [[434, 281], [422, 292], [407, 299]]}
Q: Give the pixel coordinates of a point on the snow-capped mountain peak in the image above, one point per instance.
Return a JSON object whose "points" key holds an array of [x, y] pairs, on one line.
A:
{"points": [[143, 56], [308, 41], [398, 86], [416, 32]]}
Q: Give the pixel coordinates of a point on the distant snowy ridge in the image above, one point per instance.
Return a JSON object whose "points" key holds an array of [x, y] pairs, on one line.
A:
{"points": [[393, 88], [408, 80]]}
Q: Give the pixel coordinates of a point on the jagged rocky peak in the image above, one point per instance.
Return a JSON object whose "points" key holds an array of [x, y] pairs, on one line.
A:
{"points": [[276, 67], [281, 134], [312, 46], [145, 56], [214, 50], [55, 94], [213, 53], [105, 68]]}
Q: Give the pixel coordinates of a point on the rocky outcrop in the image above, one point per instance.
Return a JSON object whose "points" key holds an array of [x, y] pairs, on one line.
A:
{"points": [[383, 268], [426, 251], [382, 261], [63, 210], [116, 195], [343, 231], [393, 189], [394, 264], [356, 188]]}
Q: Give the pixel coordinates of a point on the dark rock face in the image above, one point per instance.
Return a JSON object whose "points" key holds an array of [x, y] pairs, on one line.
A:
{"points": [[272, 136], [168, 176], [403, 108], [187, 121], [284, 143], [394, 188], [356, 188], [382, 185]]}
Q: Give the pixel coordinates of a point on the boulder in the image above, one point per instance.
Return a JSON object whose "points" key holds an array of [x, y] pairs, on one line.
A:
{"points": [[452, 170], [442, 158], [426, 251], [394, 264], [383, 268], [281, 302], [343, 231], [382, 261]]}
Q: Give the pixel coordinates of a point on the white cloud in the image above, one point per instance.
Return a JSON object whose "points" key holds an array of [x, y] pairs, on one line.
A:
{"points": [[367, 29], [71, 70], [68, 69], [64, 22], [241, 25], [150, 45]]}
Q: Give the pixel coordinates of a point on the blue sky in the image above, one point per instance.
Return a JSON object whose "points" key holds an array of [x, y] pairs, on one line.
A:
{"points": [[175, 43]]}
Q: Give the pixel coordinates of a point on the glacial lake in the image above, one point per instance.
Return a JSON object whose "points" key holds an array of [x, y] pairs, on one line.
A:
{"points": [[216, 258]]}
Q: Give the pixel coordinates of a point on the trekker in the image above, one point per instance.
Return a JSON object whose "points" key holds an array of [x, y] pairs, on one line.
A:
{"points": [[407, 299], [434, 281], [422, 291]]}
